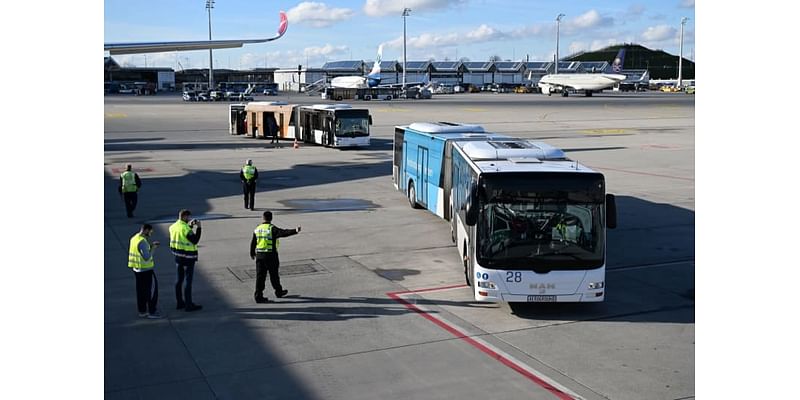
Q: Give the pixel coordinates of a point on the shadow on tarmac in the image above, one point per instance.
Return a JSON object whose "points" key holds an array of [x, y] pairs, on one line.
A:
{"points": [[243, 142], [192, 355]]}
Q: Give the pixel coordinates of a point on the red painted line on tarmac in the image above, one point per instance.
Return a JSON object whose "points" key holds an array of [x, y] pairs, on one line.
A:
{"points": [[455, 332], [646, 173]]}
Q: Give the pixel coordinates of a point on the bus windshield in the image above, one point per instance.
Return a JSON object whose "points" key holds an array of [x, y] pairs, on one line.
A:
{"points": [[352, 126], [541, 229], [540, 235]]}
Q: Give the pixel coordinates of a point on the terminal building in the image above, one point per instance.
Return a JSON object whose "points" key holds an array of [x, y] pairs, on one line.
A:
{"points": [[477, 73]]}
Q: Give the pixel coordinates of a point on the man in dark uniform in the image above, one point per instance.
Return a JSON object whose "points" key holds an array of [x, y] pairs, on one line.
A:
{"points": [[264, 249], [183, 243], [129, 184], [248, 175]]}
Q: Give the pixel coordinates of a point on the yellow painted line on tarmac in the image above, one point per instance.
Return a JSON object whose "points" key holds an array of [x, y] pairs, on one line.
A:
{"points": [[392, 110], [116, 115], [472, 109], [604, 131]]}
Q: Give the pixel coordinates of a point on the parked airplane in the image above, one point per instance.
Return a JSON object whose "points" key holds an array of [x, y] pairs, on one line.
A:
{"points": [[587, 83], [361, 82], [158, 47]]}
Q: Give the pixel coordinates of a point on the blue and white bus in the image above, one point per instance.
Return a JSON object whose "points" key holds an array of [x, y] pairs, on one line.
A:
{"points": [[529, 223]]}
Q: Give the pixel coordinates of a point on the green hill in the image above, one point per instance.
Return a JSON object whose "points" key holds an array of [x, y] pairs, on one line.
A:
{"points": [[661, 64]]}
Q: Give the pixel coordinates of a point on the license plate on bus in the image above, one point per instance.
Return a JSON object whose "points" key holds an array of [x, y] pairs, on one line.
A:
{"points": [[541, 299]]}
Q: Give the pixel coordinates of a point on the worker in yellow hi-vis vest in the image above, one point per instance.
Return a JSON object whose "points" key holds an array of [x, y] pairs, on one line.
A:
{"points": [[248, 176], [264, 249], [129, 184], [140, 260]]}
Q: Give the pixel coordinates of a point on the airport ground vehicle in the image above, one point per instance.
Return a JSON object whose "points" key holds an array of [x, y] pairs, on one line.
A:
{"points": [[670, 89], [331, 125], [690, 90], [373, 93], [416, 92], [529, 223], [270, 89]]}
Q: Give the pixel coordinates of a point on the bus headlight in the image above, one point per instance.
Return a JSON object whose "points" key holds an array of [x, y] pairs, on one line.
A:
{"points": [[487, 285], [597, 285]]}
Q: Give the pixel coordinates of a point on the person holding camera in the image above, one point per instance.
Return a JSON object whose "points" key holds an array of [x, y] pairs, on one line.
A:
{"points": [[183, 243], [140, 260]]}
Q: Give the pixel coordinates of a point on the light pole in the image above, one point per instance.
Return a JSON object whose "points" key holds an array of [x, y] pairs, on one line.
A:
{"points": [[406, 12], [558, 31], [680, 55], [209, 6]]}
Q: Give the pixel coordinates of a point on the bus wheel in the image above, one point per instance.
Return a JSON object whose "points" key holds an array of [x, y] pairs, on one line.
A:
{"points": [[412, 195], [466, 266], [338, 98]]}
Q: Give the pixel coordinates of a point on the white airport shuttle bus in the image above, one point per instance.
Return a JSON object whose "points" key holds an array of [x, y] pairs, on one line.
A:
{"points": [[331, 125], [529, 223]]}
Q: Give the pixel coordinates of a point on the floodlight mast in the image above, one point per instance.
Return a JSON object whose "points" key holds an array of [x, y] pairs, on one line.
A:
{"points": [[680, 55], [209, 6], [558, 31], [406, 12]]}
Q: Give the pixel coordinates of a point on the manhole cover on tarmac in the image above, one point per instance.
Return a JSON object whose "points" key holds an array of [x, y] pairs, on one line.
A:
{"points": [[296, 268]]}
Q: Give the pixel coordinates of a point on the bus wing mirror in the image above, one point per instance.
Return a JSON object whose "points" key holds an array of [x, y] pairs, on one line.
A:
{"points": [[611, 211], [471, 217], [370, 119]]}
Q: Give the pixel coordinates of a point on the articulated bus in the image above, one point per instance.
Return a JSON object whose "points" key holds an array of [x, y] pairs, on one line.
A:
{"points": [[529, 223], [332, 125]]}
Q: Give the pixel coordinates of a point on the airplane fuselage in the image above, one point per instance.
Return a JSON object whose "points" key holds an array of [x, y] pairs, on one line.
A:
{"points": [[580, 81]]}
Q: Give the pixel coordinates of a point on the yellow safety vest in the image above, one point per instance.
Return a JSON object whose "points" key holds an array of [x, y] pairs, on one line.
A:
{"points": [[128, 182], [135, 259], [178, 239], [264, 239], [249, 172]]}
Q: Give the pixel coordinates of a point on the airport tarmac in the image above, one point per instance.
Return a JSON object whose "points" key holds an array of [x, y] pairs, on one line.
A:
{"points": [[377, 307]]}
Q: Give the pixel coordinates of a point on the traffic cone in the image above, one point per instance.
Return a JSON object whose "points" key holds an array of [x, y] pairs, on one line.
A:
{"points": [[296, 146]]}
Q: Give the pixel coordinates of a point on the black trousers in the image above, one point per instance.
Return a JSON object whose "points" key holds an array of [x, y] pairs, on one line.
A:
{"points": [[267, 262], [185, 273], [249, 189], [146, 291], [131, 198]]}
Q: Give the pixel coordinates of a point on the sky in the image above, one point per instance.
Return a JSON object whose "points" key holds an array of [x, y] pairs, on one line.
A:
{"points": [[321, 31]]}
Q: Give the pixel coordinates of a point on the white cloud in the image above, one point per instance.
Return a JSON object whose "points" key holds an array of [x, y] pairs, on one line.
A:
{"points": [[588, 20], [318, 15], [659, 33], [598, 44], [687, 4], [324, 51], [483, 33], [380, 8], [314, 55]]}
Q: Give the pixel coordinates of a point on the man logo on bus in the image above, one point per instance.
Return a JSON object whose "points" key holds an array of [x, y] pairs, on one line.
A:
{"points": [[542, 286]]}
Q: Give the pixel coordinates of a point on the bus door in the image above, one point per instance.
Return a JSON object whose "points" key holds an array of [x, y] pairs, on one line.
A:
{"points": [[308, 133], [422, 175]]}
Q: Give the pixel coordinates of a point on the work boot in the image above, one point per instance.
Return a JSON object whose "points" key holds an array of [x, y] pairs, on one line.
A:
{"points": [[180, 306], [262, 300], [193, 307], [281, 293]]}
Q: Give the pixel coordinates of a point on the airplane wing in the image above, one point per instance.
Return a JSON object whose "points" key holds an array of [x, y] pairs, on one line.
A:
{"points": [[158, 47]]}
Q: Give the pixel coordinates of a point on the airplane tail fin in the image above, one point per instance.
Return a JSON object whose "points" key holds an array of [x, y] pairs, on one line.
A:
{"points": [[283, 25], [376, 68], [619, 61]]}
